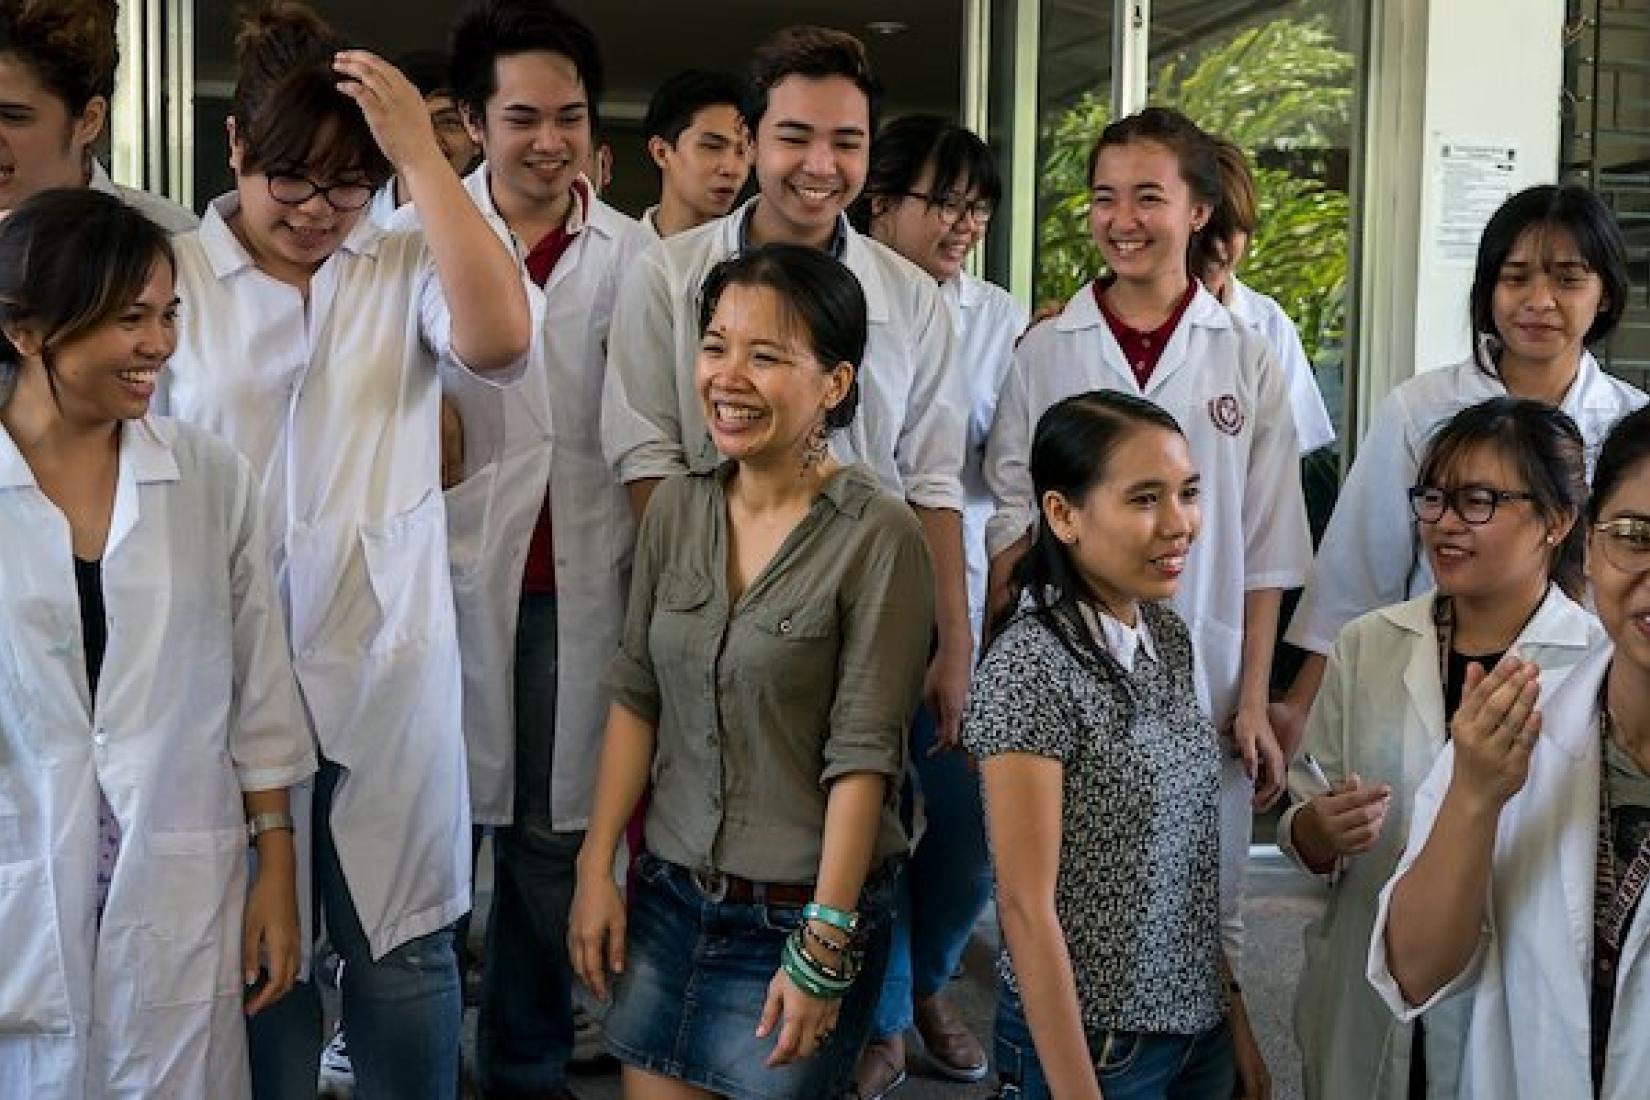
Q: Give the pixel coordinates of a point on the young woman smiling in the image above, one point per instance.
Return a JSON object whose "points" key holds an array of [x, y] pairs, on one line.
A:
{"points": [[778, 627], [1102, 781], [1496, 501]]}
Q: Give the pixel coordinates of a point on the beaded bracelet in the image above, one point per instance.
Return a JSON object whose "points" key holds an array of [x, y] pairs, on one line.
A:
{"points": [[830, 945], [809, 979], [846, 970], [836, 918]]}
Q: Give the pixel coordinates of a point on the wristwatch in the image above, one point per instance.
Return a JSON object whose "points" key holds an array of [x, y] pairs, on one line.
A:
{"points": [[259, 824]]}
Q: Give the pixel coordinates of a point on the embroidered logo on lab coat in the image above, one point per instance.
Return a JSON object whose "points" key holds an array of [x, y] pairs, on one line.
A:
{"points": [[1226, 414]]}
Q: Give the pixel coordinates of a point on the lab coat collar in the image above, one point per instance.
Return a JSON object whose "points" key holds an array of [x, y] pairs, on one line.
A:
{"points": [[227, 255], [145, 451], [585, 212], [1558, 623], [100, 180], [968, 291], [857, 256], [1084, 312], [1244, 304]]}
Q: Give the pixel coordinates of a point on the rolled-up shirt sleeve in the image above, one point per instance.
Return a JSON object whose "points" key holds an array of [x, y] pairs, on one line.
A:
{"points": [[1276, 538], [933, 439], [1368, 557], [888, 620], [1429, 799], [631, 680], [435, 320], [641, 419]]}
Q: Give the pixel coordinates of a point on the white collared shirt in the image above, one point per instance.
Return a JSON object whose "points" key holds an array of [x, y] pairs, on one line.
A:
{"points": [[1313, 428], [1120, 639], [911, 424]]}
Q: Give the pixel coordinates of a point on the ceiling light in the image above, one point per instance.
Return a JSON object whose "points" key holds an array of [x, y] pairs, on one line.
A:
{"points": [[886, 27]]}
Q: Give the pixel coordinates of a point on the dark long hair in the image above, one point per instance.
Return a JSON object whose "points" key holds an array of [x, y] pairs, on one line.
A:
{"points": [[821, 295], [71, 260], [1070, 452], [1544, 445], [1627, 445]]}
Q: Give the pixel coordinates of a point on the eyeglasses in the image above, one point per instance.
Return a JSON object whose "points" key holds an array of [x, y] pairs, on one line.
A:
{"points": [[953, 207], [293, 190], [1625, 543], [1475, 504]]}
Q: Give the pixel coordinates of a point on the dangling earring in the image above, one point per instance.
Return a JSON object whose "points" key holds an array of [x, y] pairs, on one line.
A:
{"points": [[813, 451]]}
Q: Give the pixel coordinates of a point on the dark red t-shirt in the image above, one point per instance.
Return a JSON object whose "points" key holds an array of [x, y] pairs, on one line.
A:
{"points": [[539, 577], [1144, 349]]}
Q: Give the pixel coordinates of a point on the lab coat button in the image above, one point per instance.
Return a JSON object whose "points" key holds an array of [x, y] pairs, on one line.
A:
{"points": [[784, 626], [100, 738]]}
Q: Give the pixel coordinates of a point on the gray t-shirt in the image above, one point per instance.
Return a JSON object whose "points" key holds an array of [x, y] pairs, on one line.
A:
{"points": [[759, 704], [1138, 889]]}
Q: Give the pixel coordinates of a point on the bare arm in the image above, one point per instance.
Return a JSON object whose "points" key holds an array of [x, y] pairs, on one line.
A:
{"points": [[997, 578], [1023, 812]]}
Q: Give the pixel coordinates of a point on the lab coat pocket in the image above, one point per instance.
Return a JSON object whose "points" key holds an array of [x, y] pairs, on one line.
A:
{"points": [[34, 988], [469, 506], [191, 936], [406, 557]]}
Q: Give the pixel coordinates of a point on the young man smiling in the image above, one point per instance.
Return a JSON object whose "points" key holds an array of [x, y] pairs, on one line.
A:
{"points": [[548, 529], [812, 110], [698, 141]]}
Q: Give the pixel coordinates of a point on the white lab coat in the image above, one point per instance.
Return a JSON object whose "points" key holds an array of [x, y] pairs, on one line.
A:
{"points": [[1530, 980], [1261, 312], [544, 433], [157, 208], [336, 402], [1381, 714], [195, 704], [1221, 384], [987, 323], [911, 425], [1369, 556]]}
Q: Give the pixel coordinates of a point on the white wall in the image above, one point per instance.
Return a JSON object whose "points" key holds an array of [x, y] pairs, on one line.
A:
{"points": [[1463, 70]]}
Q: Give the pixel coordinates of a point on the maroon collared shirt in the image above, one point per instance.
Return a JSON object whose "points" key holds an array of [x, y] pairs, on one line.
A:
{"points": [[1143, 349]]}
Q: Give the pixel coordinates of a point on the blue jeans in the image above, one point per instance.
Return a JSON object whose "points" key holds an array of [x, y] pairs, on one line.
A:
{"points": [[1131, 1065], [402, 1012], [946, 883], [696, 976], [525, 1031]]}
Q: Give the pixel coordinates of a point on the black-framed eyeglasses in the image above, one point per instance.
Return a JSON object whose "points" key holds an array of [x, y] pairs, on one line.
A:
{"points": [[1625, 543], [953, 207], [1475, 504], [289, 189]]}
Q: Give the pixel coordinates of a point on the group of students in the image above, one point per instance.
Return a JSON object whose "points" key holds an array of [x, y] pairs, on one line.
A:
{"points": [[701, 559]]}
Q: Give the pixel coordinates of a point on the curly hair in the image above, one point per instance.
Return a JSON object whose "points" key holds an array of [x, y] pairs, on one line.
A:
{"points": [[69, 44]]}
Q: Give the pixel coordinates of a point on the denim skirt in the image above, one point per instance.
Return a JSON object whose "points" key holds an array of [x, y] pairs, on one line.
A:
{"points": [[696, 976]]}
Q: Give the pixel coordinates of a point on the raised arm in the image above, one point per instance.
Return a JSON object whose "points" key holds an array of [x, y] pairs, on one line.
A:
{"points": [[491, 322]]}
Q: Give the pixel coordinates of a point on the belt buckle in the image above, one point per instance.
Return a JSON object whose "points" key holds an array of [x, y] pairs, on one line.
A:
{"points": [[712, 884]]}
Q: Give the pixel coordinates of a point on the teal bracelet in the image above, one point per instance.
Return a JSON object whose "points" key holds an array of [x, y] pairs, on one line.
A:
{"points": [[809, 981], [836, 918]]}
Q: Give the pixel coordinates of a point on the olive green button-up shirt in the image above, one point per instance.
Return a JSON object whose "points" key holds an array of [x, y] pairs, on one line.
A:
{"points": [[759, 704]]}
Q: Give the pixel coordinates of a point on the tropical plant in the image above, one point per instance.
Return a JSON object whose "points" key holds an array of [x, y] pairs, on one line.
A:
{"points": [[1283, 91]]}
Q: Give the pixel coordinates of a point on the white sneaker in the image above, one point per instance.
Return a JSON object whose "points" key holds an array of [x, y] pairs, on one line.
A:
{"points": [[337, 1074]]}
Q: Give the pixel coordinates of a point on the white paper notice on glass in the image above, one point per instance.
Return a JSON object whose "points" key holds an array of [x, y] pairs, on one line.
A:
{"points": [[1475, 176]]}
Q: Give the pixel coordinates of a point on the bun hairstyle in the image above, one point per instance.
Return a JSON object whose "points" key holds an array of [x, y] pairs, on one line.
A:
{"points": [[69, 44], [289, 114], [819, 293]]}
